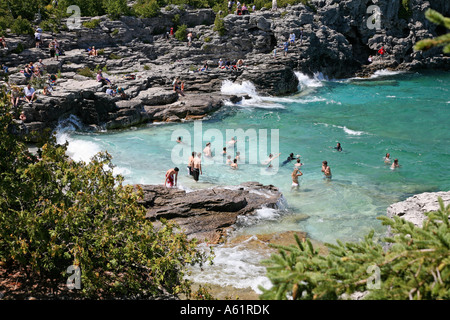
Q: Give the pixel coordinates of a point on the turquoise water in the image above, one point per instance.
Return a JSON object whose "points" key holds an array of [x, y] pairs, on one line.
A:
{"points": [[405, 114]]}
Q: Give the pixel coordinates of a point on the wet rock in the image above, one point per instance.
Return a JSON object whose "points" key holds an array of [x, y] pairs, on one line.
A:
{"points": [[207, 214]]}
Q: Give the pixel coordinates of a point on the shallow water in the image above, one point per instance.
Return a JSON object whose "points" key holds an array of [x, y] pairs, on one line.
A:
{"points": [[404, 114]]}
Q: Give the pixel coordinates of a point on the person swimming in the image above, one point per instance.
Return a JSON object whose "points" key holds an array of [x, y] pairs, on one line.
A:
{"points": [[289, 159], [338, 147], [387, 159], [395, 164], [271, 158]]}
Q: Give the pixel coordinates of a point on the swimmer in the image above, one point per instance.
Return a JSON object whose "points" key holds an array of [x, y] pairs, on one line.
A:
{"points": [[271, 158], [171, 177], [395, 164], [326, 170], [224, 151], [298, 164], [289, 159], [207, 150], [338, 147], [387, 159], [179, 140], [229, 160], [295, 174], [238, 156], [234, 165]]}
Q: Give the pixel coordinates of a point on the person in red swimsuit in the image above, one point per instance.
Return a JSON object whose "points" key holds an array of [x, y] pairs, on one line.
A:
{"points": [[171, 177]]}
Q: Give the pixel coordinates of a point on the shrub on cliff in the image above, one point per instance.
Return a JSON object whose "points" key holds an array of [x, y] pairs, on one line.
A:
{"points": [[416, 266], [21, 26], [58, 215], [440, 41], [146, 8], [181, 32]]}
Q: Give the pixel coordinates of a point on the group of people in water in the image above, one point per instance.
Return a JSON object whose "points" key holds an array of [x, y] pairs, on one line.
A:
{"points": [[194, 165]]}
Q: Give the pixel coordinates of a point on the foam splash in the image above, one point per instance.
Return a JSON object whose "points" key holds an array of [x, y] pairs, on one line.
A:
{"points": [[249, 89], [307, 82], [236, 266], [346, 130], [81, 150]]}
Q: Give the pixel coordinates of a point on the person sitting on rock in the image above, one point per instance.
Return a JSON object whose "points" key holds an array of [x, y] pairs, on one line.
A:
{"points": [[221, 66], [102, 79], [47, 91], [30, 93], [177, 87], [52, 79], [244, 9], [22, 116], [27, 72], [93, 52], [122, 93], [205, 67], [239, 9], [15, 96], [240, 64], [3, 41]]}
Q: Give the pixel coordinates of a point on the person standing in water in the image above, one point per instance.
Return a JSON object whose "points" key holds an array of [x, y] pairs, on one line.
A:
{"points": [[298, 164], [191, 163], [295, 174], [171, 177], [207, 150], [197, 167], [326, 170]]}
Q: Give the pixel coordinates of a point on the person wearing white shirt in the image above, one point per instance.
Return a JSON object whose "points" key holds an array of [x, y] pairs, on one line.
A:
{"points": [[30, 93]]}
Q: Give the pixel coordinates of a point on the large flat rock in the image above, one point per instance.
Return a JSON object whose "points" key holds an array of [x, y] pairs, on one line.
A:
{"points": [[207, 214]]}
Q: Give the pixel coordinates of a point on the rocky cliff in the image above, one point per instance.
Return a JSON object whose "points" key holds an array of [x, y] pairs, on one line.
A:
{"points": [[332, 37]]}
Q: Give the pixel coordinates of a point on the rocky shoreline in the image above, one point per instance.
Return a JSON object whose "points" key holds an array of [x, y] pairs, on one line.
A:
{"points": [[332, 38]]}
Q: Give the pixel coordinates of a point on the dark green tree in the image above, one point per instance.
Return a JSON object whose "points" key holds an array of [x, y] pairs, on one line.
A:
{"points": [[56, 213], [441, 41], [416, 266]]}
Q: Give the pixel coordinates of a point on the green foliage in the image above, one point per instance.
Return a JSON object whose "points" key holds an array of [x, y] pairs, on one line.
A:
{"points": [[181, 32], [91, 24], [219, 25], [147, 8], [19, 48], [441, 41], [21, 26], [416, 266], [116, 8], [86, 72], [404, 11], [56, 212], [115, 56]]}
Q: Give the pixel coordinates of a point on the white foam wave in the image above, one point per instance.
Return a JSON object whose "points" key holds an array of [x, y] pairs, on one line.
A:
{"points": [[346, 130], [307, 82], [255, 100], [234, 266]]}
